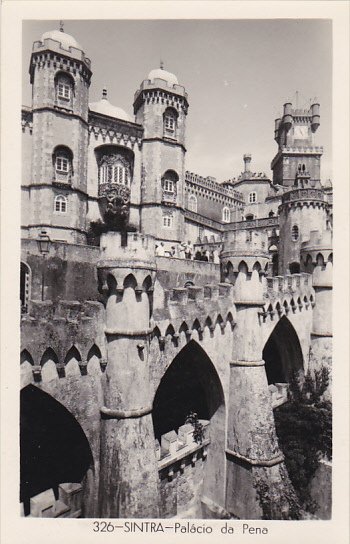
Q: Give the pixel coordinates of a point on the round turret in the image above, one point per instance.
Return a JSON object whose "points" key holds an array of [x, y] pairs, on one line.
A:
{"points": [[287, 115], [315, 121]]}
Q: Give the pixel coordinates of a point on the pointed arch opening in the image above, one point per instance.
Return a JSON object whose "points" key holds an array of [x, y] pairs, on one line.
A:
{"points": [[53, 446], [282, 353], [192, 384]]}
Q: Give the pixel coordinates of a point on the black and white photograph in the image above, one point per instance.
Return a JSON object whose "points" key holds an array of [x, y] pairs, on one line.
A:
{"points": [[175, 273]]}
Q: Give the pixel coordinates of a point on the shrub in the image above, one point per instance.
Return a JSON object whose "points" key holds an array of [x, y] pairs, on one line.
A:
{"points": [[198, 429]]}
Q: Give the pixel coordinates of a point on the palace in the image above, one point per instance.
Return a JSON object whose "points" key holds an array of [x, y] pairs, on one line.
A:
{"points": [[150, 293]]}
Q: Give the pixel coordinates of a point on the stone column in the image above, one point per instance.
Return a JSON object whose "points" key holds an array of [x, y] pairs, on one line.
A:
{"points": [[255, 467], [129, 473]]}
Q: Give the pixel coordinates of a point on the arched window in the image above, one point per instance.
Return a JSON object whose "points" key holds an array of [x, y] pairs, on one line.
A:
{"points": [[64, 90], [169, 186], [226, 214], [249, 217], [252, 197], [271, 213], [24, 287], [192, 203], [61, 204], [63, 164], [170, 122], [114, 168], [295, 233]]}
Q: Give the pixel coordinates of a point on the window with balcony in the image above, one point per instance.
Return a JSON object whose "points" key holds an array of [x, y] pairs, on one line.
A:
{"points": [[63, 164], [169, 186], [114, 169]]}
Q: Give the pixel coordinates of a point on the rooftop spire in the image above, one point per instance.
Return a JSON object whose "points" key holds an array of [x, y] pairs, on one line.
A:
{"points": [[161, 64], [61, 26], [104, 93]]}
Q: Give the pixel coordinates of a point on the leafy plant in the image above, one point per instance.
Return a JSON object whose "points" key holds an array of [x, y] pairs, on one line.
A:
{"points": [[198, 429], [304, 429]]}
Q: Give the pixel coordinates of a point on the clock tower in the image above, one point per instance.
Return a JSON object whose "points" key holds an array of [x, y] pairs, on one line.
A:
{"points": [[294, 134]]}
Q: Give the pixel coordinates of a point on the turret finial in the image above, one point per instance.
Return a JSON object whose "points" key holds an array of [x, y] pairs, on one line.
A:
{"points": [[161, 65], [104, 93], [61, 26]]}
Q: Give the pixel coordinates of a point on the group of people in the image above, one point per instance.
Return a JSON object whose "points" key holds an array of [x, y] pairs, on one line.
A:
{"points": [[186, 251]]}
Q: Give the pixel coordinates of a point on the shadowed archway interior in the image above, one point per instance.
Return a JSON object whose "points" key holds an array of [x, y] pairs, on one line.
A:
{"points": [[53, 446], [282, 353], [189, 384]]}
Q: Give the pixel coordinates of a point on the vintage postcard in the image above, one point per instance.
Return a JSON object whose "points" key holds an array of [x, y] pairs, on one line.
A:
{"points": [[174, 358]]}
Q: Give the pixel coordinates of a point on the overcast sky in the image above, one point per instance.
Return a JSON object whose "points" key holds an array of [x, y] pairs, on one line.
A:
{"points": [[237, 73]]}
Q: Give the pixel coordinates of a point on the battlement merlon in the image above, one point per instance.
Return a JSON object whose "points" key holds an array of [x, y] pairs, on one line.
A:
{"points": [[160, 86], [296, 115], [50, 47]]}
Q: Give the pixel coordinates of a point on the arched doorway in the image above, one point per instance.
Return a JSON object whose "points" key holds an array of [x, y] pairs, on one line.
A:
{"points": [[191, 384], [53, 446], [282, 353]]}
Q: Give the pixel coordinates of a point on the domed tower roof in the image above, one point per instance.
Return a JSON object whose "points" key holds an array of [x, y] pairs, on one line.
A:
{"points": [[159, 73], [66, 40], [106, 108]]}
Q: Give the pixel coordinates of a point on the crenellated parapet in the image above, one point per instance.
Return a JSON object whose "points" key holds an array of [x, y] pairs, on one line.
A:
{"points": [[317, 251], [244, 252], [125, 254], [317, 259], [192, 310], [287, 295], [67, 335]]}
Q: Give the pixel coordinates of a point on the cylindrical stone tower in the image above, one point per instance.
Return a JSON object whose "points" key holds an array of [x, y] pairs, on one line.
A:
{"points": [[253, 454], [161, 107], [317, 259], [302, 210], [129, 475], [60, 74]]}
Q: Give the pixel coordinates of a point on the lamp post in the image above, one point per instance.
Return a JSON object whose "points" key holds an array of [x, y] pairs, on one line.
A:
{"points": [[44, 246]]}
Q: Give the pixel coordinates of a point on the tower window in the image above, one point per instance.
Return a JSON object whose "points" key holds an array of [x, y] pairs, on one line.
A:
{"points": [[63, 164], [167, 221], [60, 205], [252, 197], [226, 215], [192, 203], [169, 185], [169, 122], [64, 85], [295, 233], [63, 91]]}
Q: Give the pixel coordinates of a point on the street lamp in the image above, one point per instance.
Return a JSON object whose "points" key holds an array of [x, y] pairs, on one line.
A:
{"points": [[44, 246]]}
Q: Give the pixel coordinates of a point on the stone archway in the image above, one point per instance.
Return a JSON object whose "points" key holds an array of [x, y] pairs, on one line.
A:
{"points": [[53, 447], [282, 353], [191, 384]]}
